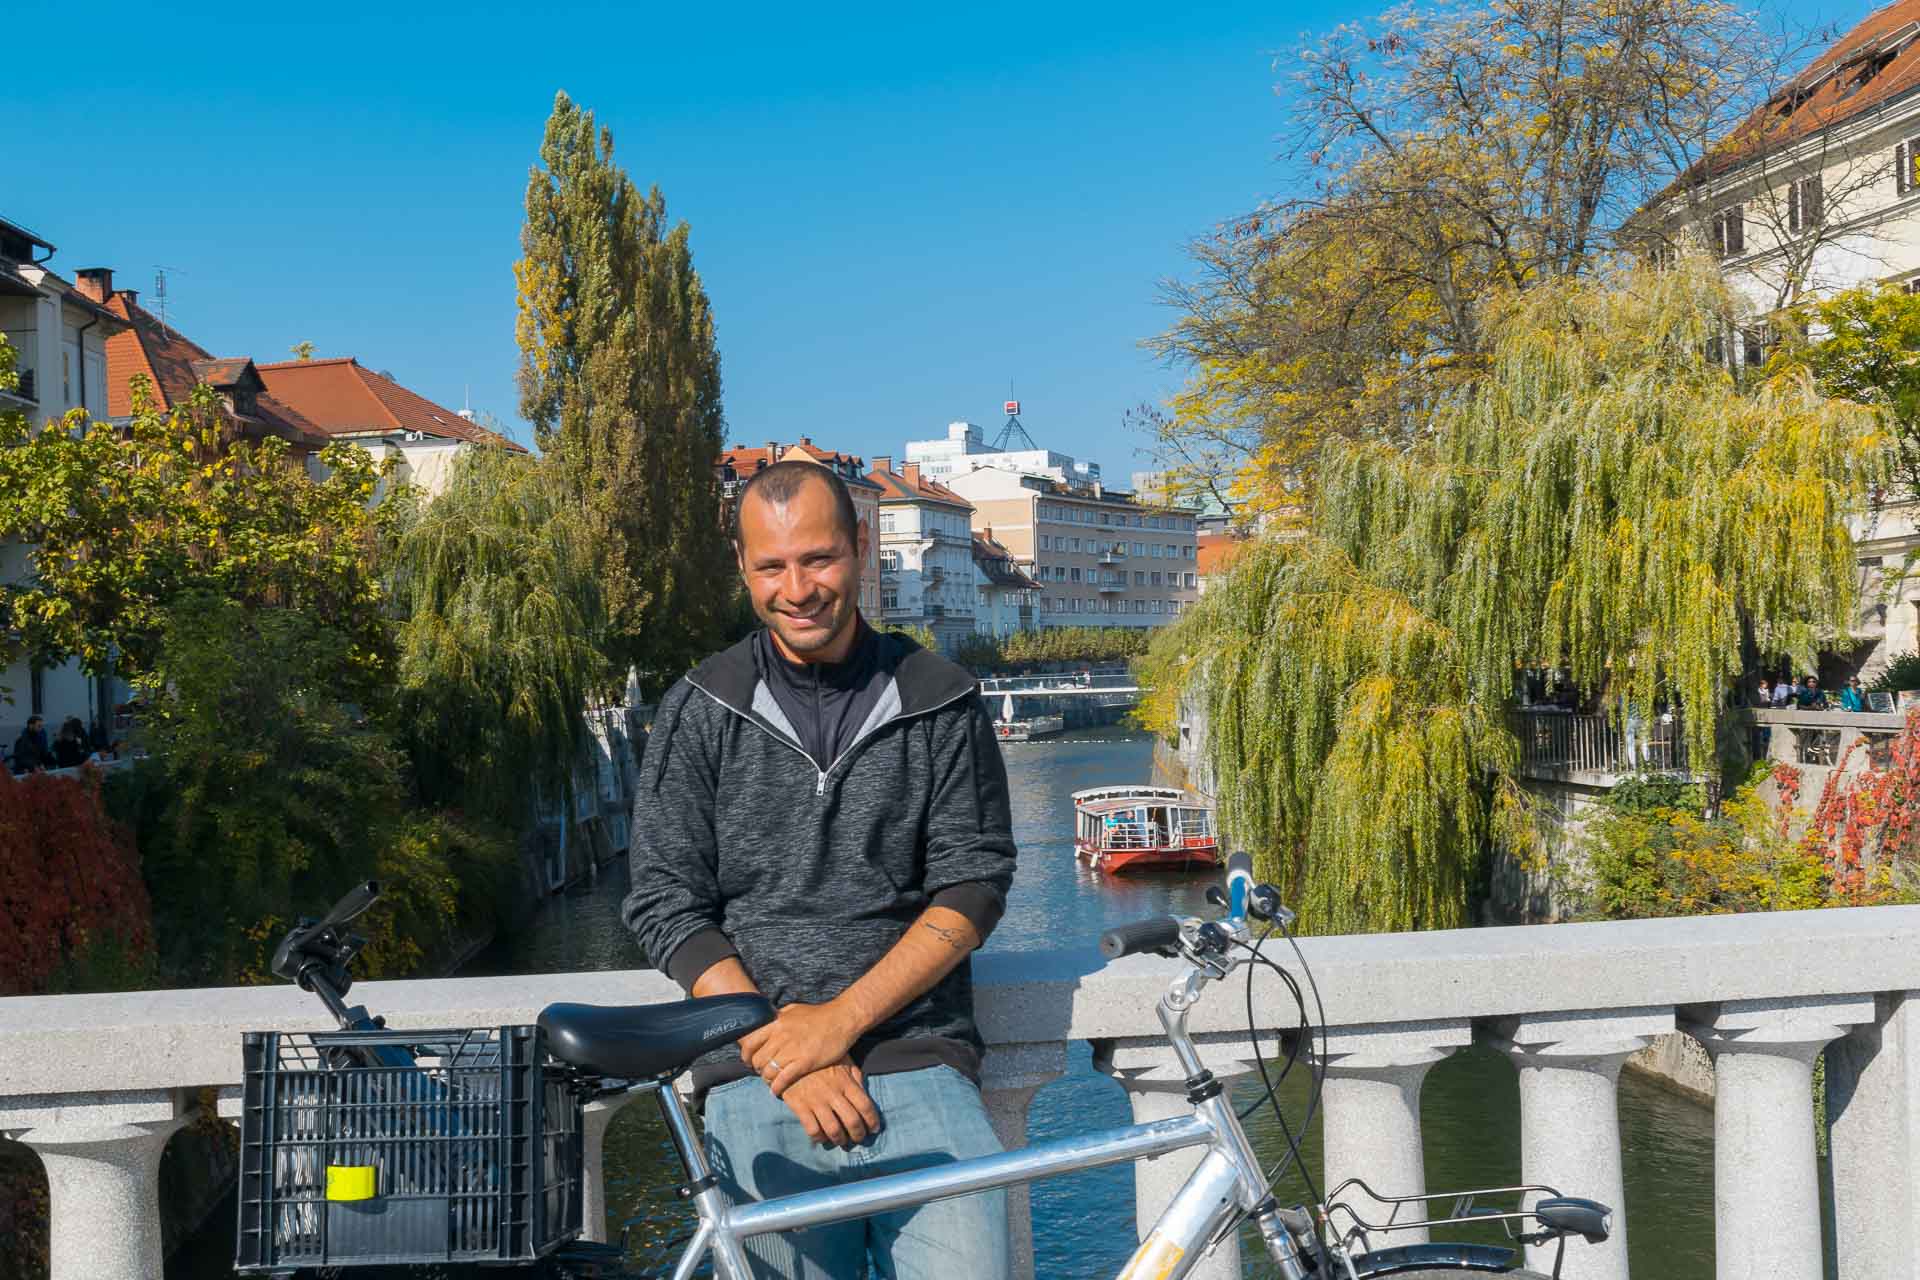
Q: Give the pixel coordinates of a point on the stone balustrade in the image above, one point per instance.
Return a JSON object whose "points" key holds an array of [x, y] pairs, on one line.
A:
{"points": [[97, 1083]]}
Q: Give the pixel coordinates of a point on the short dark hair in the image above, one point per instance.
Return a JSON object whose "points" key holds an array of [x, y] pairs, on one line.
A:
{"points": [[781, 481]]}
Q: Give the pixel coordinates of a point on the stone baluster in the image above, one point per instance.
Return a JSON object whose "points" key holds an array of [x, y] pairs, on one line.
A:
{"points": [[1569, 1067], [1873, 1126], [595, 1118], [1010, 1075], [1371, 1106], [102, 1156], [1766, 1191], [1157, 1090]]}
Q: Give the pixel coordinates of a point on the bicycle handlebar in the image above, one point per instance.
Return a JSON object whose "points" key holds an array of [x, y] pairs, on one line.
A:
{"points": [[1159, 936], [353, 904], [1239, 885]]}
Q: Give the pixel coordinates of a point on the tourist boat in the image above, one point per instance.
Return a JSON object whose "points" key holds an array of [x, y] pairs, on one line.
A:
{"points": [[1143, 828], [1009, 729]]}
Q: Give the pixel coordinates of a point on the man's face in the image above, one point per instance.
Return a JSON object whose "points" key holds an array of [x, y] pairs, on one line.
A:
{"points": [[802, 572]]}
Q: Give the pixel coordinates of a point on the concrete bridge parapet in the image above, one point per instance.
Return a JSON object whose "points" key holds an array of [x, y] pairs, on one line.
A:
{"points": [[95, 1083]]}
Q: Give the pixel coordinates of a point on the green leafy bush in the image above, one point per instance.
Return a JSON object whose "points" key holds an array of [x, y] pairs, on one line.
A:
{"points": [[1901, 672], [267, 796]]}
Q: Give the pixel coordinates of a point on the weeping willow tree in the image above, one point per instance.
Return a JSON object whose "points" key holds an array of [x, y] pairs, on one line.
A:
{"points": [[504, 636], [1604, 498]]}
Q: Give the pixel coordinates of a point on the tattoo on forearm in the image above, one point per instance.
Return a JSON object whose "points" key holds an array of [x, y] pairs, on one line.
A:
{"points": [[952, 937]]}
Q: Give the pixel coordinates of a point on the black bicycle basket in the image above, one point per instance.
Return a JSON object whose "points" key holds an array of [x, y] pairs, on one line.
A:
{"points": [[379, 1147]]}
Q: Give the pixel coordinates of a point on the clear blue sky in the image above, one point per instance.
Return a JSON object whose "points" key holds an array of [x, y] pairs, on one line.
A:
{"points": [[894, 212]]}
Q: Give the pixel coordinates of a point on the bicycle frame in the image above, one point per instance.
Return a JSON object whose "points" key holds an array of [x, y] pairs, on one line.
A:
{"points": [[1227, 1183]]}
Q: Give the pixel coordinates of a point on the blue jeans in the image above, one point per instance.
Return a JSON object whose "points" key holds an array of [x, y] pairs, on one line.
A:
{"points": [[929, 1117]]}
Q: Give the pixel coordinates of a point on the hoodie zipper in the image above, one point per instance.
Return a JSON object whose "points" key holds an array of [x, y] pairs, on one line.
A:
{"points": [[821, 775]]}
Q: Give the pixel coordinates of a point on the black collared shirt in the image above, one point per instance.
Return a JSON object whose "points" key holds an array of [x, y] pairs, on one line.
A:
{"points": [[825, 702]]}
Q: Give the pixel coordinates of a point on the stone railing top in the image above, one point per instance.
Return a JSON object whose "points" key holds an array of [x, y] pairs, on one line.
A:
{"points": [[93, 1044], [1879, 722]]}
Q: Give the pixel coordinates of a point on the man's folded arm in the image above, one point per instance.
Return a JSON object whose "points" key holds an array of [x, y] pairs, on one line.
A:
{"points": [[970, 850], [674, 907]]}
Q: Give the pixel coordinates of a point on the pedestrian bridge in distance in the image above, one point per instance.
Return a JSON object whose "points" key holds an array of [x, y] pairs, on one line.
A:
{"points": [[96, 1083]]}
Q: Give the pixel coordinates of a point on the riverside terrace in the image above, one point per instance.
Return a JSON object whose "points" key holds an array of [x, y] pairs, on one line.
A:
{"points": [[96, 1083]]}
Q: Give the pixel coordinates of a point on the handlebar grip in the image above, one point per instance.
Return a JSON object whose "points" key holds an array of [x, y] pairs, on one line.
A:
{"points": [[1159, 935], [356, 901]]}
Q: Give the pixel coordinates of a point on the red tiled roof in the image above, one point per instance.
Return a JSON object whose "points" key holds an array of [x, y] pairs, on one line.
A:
{"points": [[343, 398], [175, 363], [744, 462], [895, 486], [1875, 62]]}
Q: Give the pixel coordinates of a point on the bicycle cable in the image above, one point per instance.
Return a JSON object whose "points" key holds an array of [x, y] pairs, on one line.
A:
{"points": [[1271, 1096]]}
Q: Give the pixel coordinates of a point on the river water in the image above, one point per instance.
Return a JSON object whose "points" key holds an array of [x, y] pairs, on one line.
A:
{"points": [[1084, 1224]]}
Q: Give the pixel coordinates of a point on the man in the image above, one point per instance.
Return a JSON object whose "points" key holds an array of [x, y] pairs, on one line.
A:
{"points": [[30, 749], [1812, 697], [822, 816]]}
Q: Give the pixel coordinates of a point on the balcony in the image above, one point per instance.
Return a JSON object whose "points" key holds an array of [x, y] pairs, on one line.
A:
{"points": [[1110, 583], [1114, 554], [1566, 1004], [1556, 744]]}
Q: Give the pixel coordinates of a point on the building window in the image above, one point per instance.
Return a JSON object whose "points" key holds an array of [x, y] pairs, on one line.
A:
{"points": [[889, 561], [1073, 574], [1906, 167], [1139, 577], [1754, 341], [1157, 606], [1730, 231], [1154, 578], [889, 599], [1189, 581], [1154, 549], [886, 522], [1804, 211], [1076, 543], [1139, 548]]}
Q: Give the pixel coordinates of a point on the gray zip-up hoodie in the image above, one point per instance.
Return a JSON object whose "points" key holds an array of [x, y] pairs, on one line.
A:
{"points": [[742, 845]]}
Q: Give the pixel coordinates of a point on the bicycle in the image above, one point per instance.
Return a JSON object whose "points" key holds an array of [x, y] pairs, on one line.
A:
{"points": [[463, 1146]]}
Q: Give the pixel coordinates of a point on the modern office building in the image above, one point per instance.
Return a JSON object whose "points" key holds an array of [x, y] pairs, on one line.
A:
{"points": [[1100, 558], [965, 449]]}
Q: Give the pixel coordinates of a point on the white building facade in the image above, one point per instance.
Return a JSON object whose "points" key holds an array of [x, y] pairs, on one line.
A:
{"points": [[964, 449], [1819, 193], [58, 339], [926, 554], [1007, 599]]}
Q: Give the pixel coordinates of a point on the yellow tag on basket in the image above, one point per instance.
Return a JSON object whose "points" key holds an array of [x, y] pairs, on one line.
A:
{"points": [[350, 1182]]}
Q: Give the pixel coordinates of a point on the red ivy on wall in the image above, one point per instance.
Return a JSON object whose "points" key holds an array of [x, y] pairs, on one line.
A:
{"points": [[68, 874], [1866, 823]]}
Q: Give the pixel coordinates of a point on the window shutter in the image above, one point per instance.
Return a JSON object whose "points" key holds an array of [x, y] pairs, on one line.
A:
{"points": [[1796, 215], [1902, 169], [1812, 204], [1737, 227]]}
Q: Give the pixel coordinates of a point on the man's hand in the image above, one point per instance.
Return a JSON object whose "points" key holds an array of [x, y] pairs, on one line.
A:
{"points": [[800, 1041], [833, 1105]]}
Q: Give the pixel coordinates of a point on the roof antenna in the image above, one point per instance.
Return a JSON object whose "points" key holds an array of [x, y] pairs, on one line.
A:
{"points": [[160, 291], [1013, 428]]}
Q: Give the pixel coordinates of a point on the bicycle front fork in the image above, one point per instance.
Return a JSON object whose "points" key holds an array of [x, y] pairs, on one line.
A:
{"points": [[1280, 1242]]}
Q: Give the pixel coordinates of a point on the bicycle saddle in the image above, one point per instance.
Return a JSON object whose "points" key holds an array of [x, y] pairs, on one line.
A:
{"points": [[633, 1042]]}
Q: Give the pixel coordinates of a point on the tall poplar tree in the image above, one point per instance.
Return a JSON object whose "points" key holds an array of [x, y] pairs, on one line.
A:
{"points": [[620, 376]]}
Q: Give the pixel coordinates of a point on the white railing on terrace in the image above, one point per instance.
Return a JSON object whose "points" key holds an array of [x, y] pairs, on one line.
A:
{"points": [[96, 1083], [1557, 743]]}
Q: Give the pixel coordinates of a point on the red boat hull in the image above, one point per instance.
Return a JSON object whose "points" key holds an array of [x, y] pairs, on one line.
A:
{"points": [[1191, 857]]}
